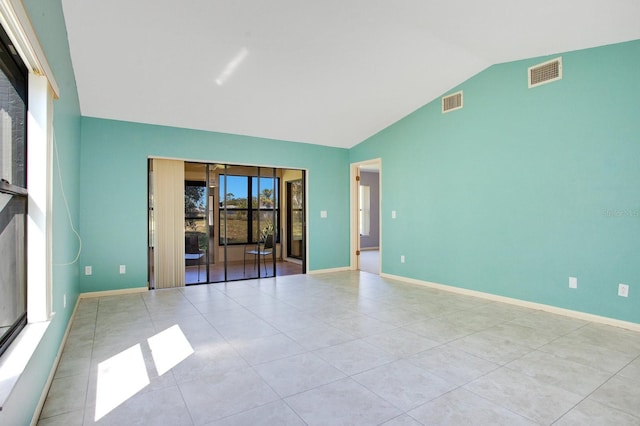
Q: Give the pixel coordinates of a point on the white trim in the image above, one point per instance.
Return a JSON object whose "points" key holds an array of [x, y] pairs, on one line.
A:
{"points": [[225, 162], [328, 271], [39, 178], [56, 362], [14, 361], [523, 303], [354, 226], [354, 263], [307, 255], [119, 292], [42, 89], [16, 22], [54, 367]]}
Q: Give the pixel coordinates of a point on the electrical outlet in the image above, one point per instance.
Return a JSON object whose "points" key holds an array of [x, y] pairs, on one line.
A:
{"points": [[64, 300], [623, 290], [573, 282], [123, 269], [402, 259], [393, 214], [88, 270]]}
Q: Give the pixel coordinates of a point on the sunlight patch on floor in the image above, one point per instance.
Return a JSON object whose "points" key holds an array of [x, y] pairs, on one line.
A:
{"points": [[119, 378], [169, 348]]}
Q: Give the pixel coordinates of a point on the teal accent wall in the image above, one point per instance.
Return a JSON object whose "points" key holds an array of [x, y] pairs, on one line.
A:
{"points": [[522, 188], [113, 182], [48, 22], [511, 195]]}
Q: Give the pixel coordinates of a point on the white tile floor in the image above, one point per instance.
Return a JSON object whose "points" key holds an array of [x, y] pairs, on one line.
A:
{"points": [[344, 348]]}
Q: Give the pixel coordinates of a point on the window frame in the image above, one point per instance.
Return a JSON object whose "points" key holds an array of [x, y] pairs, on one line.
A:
{"points": [[43, 88], [250, 210], [17, 74]]}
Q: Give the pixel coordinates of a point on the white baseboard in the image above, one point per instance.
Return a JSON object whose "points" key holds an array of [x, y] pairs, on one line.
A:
{"points": [[113, 292], [54, 367], [327, 271], [533, 305]]}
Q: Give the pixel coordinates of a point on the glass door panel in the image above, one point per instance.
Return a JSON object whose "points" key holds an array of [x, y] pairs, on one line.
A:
{"points": [[196, 227], [217, 223], [294, 219], [236, 207], [266, 223]]}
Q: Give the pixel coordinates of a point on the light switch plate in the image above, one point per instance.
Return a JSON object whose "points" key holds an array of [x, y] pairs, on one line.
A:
{"points": [[123, 269], [88, 270], [573, 282]]}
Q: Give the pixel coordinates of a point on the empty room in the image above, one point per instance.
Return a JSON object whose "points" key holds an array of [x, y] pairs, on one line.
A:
{"points": [[319, 213]]}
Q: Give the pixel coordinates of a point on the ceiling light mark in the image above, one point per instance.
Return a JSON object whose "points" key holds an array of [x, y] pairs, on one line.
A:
{"points": [[231, 67]]}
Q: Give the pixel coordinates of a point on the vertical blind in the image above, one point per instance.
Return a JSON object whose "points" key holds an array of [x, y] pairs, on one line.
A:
{"points": [[168, 211]]}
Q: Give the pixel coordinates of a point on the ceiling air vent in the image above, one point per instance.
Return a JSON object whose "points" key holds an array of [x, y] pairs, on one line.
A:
{"points": [[545, 73], [452, 102]]}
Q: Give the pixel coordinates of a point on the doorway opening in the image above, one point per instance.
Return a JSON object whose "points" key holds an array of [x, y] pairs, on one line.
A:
{"points": [[235, 224], [365, 213]]}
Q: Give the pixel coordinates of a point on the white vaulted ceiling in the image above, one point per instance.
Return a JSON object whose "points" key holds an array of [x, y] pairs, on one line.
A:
{"points": [[325, 72]]}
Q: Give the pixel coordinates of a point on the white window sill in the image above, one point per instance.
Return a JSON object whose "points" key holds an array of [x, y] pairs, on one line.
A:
{"points": [[14, 361]]}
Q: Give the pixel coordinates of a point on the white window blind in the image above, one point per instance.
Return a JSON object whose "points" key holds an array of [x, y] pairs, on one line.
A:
{"points": [[168, 213]]}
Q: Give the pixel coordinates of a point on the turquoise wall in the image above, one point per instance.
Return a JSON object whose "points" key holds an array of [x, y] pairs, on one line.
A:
{"points": [[48, 22], [511, 195], [113, 188], [522, 188]]}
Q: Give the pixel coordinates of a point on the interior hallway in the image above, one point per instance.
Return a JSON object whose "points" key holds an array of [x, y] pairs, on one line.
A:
{"points": [[339, 348], [370, 261]]}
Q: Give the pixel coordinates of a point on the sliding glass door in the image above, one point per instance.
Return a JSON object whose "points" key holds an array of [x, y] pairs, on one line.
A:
{"points": [[234, 228], [249, 220]]}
